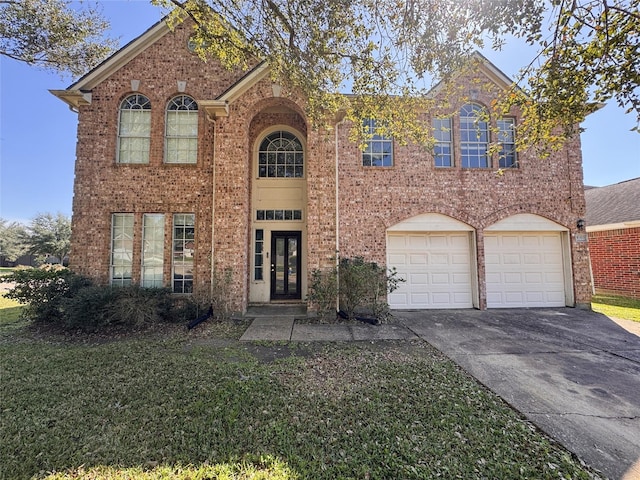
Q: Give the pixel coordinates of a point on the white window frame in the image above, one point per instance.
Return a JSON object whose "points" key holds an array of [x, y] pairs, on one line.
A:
{"points": [[281, 155], [131, 133], [121, 257], [180, 250], [443, 134], [507, 155], [474, 137], [181, 131], [378, 148], [152, 271]]}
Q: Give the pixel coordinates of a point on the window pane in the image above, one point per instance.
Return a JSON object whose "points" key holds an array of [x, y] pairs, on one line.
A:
{"points": [[181, 131], [152, 250], [258, 257], [474, 137], [506, 137], [284, 155], [121, 248], [134, 130], [379, 149], [183, 252]]}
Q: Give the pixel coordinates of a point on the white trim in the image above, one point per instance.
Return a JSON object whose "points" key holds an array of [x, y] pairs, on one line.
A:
{"points": [[430, 222], [245, 83], [121, 57], [613, 226], [525, 222]]}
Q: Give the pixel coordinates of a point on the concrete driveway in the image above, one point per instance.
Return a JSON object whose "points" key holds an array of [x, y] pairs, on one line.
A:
{"points": [[573, 373]]}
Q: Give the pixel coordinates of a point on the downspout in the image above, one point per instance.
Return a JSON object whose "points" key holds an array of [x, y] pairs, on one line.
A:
{"points": [[337, 193], [213, 204]]}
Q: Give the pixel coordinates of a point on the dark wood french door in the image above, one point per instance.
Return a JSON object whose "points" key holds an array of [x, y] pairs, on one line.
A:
{"points": [[285, 265]]}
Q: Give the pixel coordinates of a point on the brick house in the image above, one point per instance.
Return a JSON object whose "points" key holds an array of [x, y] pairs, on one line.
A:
{"points": [[613, 225], [185, 168]]}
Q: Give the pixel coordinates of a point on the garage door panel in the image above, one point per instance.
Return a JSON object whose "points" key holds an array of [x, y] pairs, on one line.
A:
{"points": [[512, 278], [438, 270], [416, 259], [416, 242], [438, 241], [419, 279], [439, 259], [531, 278], [397, 243], [532, 258], [397, 259], [460, 259], [524, 269]]}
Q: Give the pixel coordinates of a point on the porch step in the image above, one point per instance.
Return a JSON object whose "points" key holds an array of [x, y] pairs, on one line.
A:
{"points": [[277, 310]]}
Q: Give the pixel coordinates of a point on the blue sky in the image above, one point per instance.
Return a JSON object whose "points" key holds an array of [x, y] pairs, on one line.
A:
{"points": [[38, 131]]}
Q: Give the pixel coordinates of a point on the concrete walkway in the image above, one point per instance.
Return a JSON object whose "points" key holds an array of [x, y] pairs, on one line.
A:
{"points": [[573, 373]]}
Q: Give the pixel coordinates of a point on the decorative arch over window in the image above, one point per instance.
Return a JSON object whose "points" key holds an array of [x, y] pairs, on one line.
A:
{"points": [[474, 136], [134, 129], [281, 156], [181, 130]]}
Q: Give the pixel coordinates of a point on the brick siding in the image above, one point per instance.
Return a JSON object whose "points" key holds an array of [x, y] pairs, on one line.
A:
{"points": [[615, 261], [219, 186]]}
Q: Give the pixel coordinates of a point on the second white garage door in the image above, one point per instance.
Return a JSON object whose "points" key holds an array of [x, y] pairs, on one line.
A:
{"points": [[436, 266], [524, 269]]}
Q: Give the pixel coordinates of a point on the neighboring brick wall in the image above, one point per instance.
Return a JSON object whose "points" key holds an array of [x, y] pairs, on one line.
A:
{"points": [[615, 261]]}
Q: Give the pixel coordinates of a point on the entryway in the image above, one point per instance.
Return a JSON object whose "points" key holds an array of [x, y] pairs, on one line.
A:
{"points": [[286, 265]]}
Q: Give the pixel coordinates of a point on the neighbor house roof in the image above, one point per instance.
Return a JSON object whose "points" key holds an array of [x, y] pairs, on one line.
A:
{"points": [[613, 206]]}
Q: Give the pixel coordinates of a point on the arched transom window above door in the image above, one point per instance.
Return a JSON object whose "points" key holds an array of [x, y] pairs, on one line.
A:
{"points": [[281, 156]]}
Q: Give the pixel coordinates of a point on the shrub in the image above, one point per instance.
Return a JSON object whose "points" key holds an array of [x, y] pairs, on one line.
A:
{"points": [[360, 286], [323, 291], [43, 291], [102, 306]]}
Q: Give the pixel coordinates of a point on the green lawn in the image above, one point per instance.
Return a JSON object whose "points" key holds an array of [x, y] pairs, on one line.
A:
{"points": [[617, 307], [176, 404]]}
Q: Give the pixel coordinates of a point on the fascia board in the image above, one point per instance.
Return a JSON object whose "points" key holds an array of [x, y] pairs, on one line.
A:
{"points": [[245, 83], [74, 98], [613, 226], [121, 57]]}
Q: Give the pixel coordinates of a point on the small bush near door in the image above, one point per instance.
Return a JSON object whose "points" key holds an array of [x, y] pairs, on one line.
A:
{"points": [[360, 286]]}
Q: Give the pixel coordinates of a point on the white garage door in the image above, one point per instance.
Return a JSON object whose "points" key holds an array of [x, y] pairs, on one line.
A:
{"points": [[436, 266], [524, 269]]}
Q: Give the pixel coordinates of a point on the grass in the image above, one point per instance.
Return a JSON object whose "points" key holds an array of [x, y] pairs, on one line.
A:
{"points": [[9, 310], [200, 404], [617, 307]]}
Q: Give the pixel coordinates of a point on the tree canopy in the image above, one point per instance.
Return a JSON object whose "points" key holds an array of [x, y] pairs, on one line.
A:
{"points": [[50, 235], [392, 52], [13, 238], [52, 35]]}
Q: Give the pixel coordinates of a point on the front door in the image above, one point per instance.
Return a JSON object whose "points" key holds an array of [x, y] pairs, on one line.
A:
{"points": [[285, 265]]}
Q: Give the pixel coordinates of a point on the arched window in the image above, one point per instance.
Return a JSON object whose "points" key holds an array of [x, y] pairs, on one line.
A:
{"points": [[281, 156], [181, 131], [134, 130], [474, 137]]}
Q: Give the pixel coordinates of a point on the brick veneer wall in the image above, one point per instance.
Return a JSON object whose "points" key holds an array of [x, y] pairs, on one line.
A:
{"points": [[374, 199], [219, 185], [615, 261]]}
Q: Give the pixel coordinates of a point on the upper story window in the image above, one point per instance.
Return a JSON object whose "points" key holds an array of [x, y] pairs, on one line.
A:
{"points": [[134, 130], [507, 138], [379, 149], [443, 148], [281, 156], [181, 134], [474, 137]]}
